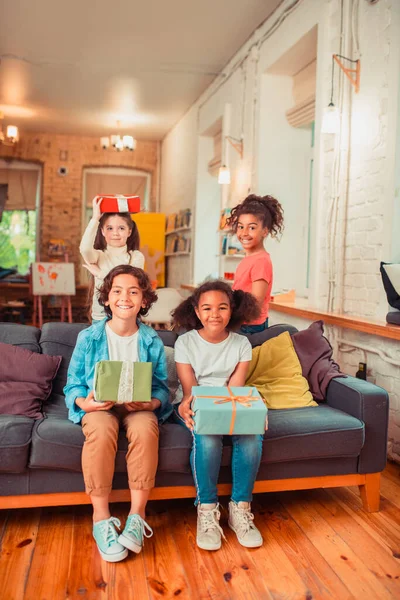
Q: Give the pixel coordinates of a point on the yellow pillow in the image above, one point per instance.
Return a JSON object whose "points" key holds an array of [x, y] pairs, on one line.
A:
{"points": [[275, 371]]}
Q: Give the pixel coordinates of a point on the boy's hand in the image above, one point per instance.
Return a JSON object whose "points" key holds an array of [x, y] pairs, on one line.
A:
{"points": [[139, 406], [97, 200], [185, 411], [89, 404]]}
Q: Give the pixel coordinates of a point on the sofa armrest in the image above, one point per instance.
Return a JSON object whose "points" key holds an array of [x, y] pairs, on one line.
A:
{"points": [[370, 404]]}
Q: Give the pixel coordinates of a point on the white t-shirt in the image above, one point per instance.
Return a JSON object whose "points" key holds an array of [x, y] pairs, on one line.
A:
{"points": [[122, 347], [213, 364]]}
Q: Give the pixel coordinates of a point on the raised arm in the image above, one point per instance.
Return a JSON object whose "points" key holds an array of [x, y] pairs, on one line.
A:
{"points": [[89, 254]]}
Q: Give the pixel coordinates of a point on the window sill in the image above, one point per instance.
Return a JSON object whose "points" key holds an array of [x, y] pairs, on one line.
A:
{"points": [[371, 326]]}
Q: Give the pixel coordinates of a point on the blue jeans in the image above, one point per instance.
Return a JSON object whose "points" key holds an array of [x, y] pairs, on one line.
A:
{"points": [[254, 328], [205, 460]]}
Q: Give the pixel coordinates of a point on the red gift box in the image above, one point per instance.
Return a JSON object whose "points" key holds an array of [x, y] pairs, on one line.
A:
{"points": [[118, 203]]}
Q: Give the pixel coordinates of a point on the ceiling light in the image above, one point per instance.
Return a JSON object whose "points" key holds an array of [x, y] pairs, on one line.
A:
{"points": [[224, 175], [118, 142], [11, 136]]}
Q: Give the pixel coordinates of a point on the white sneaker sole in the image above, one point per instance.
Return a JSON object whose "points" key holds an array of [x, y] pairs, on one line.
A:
{"points": [[246, 544], [208, 546], [127, 543], [114, 557]]}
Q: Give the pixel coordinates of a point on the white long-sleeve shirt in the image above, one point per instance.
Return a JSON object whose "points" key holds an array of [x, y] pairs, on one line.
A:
{"points": [[105, 260]]}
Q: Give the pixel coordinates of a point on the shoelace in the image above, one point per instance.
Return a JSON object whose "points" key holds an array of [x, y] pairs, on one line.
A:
{"points": [[244, 519], [137, 527], [108, 530], [209, 520]]}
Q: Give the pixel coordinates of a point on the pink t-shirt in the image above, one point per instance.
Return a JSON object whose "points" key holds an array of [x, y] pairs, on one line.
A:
{"points": [[252, 268]]}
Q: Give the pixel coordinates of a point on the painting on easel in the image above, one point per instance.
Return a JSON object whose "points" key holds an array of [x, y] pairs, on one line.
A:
{"points": [[56, 279]]}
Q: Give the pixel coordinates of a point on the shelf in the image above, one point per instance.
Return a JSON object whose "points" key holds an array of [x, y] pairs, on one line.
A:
{"points": [[231, 255], [178, 230], [177, 253]]}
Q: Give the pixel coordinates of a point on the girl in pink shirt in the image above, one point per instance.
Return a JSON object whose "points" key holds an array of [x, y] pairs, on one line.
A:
{"points": [[252, 220]]}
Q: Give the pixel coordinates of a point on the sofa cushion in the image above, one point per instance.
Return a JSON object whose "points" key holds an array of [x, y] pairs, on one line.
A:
{"points": [[59, 339], [15, 439], [275, 371], [297, 434], [315, 355], [311, 433], [25, 380], [256, 339], [22, 336], [57, 444]]}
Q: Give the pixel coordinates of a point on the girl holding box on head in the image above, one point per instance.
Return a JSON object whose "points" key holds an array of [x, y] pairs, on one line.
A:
{"points": [[125, 295], [110, 239], [211, 354]]}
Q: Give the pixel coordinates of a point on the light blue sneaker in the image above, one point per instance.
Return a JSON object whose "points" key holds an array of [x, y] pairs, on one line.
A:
{"points": [[106, 536], [134, 532]]}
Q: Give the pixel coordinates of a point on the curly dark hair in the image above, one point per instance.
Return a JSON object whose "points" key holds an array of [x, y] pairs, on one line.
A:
{"points": [[149, 295], [133, 241], [244, 306], [266, 208]]}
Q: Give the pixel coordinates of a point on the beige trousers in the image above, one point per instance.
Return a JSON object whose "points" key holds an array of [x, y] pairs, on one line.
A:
{"points": [[101, 430]]}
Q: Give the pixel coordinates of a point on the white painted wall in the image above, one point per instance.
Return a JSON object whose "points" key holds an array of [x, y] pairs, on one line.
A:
{"points": [[367, 196]]}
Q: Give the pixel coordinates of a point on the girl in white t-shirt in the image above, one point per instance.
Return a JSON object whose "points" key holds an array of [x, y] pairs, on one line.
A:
{"points": [[212, 354], [110, 239]]}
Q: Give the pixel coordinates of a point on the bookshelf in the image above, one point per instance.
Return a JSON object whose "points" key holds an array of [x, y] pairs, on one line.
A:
{"points": [[178, 234], [230, 249]]}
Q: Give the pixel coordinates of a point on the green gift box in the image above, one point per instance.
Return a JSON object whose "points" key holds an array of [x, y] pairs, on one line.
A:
{"points": [[122, 381], [228, 410]]}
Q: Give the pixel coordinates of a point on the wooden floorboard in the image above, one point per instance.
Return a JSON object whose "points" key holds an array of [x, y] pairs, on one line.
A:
{"points": [[318, 544]]}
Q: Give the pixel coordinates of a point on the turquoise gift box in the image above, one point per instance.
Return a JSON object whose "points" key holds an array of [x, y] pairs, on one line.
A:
{"points": [[228, 410]]}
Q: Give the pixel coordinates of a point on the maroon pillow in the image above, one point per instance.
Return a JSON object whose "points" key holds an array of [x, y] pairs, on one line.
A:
{"points": [[315, 356], [25, 380]]}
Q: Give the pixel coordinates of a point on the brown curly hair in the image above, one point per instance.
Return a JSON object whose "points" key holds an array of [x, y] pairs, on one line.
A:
{"points": [[149, 295], [266, 208], [244, 306]]}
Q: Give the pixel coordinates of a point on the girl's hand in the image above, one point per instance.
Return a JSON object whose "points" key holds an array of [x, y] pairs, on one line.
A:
{"points": [[89, 404], [140, 406], [97, 200], [185, 411]]}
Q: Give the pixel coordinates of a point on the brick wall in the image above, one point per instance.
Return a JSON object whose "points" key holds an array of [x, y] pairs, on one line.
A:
{"points": [[61, 197]]}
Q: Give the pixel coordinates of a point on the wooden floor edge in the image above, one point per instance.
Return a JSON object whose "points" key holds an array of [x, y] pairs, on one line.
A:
{"points": [[188, 491]]}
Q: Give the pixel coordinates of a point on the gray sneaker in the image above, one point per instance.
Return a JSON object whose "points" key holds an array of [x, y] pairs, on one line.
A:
{"points": [[241, 522], [209, 531], [134, 532]]}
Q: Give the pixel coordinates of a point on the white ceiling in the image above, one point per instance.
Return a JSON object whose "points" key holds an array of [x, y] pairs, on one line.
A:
{"points": [[82, 65]]}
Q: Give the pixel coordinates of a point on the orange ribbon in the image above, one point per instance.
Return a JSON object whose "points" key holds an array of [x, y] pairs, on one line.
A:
{"points": [[245, 401]]}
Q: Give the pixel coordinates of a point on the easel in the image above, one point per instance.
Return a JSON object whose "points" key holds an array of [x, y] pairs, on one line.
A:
{"points": [[37, 315]]}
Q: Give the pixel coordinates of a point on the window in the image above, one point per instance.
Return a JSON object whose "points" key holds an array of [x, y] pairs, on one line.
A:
{"points": [[18, 239], [19, 187]]}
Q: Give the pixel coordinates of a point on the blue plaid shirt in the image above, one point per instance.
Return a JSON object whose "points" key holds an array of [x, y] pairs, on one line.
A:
{"points": [[91, 347]]}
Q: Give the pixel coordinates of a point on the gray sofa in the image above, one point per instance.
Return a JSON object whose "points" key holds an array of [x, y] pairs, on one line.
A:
{"points": [[341, 442]]}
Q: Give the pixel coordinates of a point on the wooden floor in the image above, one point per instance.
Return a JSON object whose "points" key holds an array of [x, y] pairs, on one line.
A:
{"points": [[317, 544]]}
